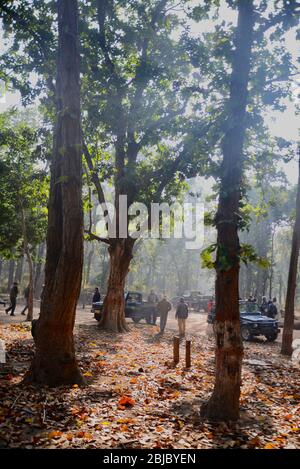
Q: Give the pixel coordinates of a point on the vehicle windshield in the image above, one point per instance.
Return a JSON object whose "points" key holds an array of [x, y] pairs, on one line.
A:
{"points": [[134, 297], [249, 308]]}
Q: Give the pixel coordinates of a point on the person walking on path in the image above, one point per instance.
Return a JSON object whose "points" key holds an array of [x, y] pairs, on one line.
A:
{"points": [[181, 315], [13, 299], [26, 296], [163, 307], [153, 299]]}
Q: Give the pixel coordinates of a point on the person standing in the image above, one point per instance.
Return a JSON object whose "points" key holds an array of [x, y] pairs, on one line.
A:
{"points": [[210, 305], [272, 309], [26, 296], [264, 306], [153, 299], [13, 299], [181, 315], [96, 296], [163, 307]]}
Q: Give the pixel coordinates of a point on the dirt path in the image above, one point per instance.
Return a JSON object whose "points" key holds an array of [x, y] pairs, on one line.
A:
{"points": [[196, 323]]}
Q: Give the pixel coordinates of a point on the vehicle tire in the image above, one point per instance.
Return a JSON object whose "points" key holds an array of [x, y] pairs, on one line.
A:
{"points": [[271, 337], [246, 334], [136, 320]]}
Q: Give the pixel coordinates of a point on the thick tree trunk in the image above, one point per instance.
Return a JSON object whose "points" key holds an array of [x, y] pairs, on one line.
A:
{"points": [[224, 402], [55, 362], [288, 325], [120, 252]]}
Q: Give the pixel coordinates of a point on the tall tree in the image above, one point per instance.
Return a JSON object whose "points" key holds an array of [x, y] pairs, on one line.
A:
{"points": [[24, 187], [141, 108], [54, 362], [224, 402], [288, 326]]}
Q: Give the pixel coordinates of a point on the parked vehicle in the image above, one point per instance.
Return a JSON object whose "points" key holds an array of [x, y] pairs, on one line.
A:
{"points": [[135, 308], [194, 300], [253, 323]]}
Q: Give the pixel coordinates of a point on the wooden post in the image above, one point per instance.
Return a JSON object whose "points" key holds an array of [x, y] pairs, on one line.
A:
{"points": [[175, 350], [188, 353]]}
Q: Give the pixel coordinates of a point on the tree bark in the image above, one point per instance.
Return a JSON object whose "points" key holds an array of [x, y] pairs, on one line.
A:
{"points": [[288, 325], [224, 402], [113, 319], [55, 362]]}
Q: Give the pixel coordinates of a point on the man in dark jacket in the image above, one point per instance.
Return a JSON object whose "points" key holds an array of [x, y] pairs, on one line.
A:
{"points": [[13, 299], [264, 306], [96, 296], [163, 307], [272, 309], [26, 296], [181, 315]]}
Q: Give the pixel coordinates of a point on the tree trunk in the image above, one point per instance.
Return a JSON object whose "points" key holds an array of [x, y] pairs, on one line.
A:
{"points": [[88, 266], [30, 264], [280, 290], [55, 362], [224, 402], [30, 297], [288, 325], [19, 269], [271, 273], [120, 252], [11, 271], [37, 287]]}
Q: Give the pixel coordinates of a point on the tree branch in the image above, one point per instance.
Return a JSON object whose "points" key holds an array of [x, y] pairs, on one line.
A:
{"points": [[101, 15], [93, 236], [93, 173]]}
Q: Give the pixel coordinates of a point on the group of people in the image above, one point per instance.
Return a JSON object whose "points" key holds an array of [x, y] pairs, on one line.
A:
{"points": [[13, 295], [267, 307], [162, 308]]}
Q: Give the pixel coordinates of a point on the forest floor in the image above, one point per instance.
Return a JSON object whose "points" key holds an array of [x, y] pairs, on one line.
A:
{"points": [[134, 398]]}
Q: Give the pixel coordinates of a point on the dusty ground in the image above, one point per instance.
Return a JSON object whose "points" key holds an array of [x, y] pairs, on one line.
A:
{"points": [[196, 323], [135, 399]]}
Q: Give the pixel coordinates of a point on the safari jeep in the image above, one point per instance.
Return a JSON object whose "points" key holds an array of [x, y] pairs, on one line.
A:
{"points": [[135, 308], [253, 323]]}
